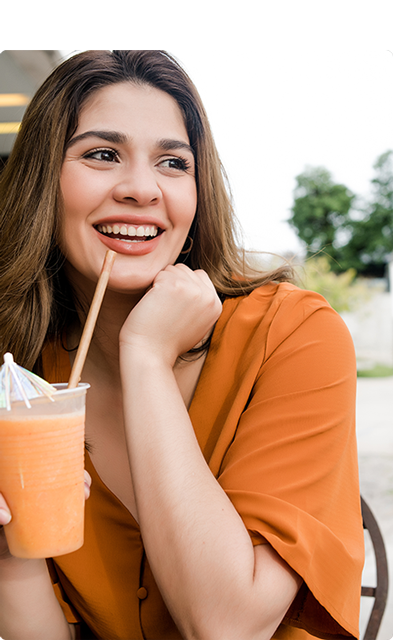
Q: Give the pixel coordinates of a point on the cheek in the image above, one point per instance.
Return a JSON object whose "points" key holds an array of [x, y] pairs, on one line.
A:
{"points": [[73, 207], [71, 192], [186, 206], [81, 191]]}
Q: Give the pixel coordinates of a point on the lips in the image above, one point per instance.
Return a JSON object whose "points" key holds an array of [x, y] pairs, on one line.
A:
{"points": [[129, 239], [128, 232]]}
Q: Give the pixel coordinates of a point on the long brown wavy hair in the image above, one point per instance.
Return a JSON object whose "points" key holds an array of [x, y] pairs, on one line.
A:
{"points": [[36, 301]]}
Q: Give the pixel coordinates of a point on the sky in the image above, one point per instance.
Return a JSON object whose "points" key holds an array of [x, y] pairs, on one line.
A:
{"points": [[286, 85]]}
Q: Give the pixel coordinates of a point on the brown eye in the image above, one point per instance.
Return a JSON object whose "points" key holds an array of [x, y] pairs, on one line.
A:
{"points": [[103, 155], [180, 164]]}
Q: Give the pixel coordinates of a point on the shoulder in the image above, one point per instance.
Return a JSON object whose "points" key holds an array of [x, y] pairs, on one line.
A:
{"points": [[284, 301], [274, 312]]}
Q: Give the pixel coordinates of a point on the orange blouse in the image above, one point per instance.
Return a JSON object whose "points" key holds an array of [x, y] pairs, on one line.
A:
{"points": [[274, 414]]}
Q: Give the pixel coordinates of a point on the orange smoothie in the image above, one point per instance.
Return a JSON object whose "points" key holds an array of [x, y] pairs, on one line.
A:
{"points": [[42, 480]]}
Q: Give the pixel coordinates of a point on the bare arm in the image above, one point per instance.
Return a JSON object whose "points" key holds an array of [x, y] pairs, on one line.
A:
{"points": [[214, 582]]}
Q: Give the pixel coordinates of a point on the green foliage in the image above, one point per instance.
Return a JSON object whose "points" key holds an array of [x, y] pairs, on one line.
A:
{"points": [[324, 218], [343, 291], [378, 371], [320, 212], [371, 242]]}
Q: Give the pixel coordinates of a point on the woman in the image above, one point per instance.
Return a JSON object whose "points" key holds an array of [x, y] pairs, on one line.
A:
{"points": [[224, 499]]}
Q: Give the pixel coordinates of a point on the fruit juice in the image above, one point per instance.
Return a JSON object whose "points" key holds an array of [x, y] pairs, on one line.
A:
{"points": [[42, 475]]}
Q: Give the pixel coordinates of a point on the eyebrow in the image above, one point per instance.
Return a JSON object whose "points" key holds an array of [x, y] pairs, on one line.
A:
{"points": [[109, 136], [166, 144], [169, 144]]}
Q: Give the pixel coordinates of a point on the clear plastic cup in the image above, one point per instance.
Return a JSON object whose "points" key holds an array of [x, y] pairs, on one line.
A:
{"points": [[42, 473]]}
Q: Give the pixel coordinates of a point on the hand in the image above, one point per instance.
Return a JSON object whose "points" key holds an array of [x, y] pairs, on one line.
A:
{"points": [[5, 518], [87, 484], [177, 312]]}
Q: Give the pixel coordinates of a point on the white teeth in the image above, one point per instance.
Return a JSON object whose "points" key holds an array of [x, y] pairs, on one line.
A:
{"points": [[128, 230]]}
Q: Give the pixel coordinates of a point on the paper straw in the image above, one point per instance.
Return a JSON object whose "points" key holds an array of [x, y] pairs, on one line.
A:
{"points": [[91, 319]]}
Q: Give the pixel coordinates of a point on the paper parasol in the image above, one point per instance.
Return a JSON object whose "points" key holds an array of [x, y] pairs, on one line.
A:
{"points": [[17, 383]]}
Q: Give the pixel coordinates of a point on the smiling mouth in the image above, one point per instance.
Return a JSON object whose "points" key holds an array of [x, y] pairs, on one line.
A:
{"points": [[128, 232]]}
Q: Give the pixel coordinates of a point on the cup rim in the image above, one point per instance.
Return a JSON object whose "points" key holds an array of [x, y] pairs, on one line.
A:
{"points": [[61, 394], [62, 387]]}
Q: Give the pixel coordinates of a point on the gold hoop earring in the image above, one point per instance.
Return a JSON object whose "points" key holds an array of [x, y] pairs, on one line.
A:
{"points": [[182, 253]]}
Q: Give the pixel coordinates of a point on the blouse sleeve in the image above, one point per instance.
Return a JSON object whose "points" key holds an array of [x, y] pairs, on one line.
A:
{"points": [[291, 469]]}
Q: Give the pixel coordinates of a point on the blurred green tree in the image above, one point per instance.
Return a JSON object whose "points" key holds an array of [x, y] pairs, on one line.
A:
{"points": [[370, 246], [320, 215]]}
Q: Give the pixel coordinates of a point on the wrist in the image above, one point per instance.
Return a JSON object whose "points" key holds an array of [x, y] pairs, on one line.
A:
{"points": [[146, 355]]}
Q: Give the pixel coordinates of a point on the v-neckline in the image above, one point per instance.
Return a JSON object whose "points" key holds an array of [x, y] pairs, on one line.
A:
{"points": [[65, 367], [96, 478]]}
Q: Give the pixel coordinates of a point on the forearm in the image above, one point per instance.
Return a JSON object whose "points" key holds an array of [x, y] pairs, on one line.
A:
{"points": [[199, 550], [28, 605]]}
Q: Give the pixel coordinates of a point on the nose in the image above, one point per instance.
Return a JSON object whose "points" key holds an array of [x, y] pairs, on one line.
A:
{"points": [[137, 184]]}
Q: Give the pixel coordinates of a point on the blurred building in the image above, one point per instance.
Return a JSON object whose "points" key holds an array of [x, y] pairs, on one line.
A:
{"points": [[21, 73]]}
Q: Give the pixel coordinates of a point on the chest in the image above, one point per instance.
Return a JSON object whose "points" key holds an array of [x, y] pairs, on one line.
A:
{"points": [[105, 431]]}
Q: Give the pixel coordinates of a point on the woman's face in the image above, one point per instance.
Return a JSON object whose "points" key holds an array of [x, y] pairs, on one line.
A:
{"points": [[128, 184]]}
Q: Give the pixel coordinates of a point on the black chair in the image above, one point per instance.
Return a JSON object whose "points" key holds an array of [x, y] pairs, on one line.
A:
{"points": [[380, 592]]}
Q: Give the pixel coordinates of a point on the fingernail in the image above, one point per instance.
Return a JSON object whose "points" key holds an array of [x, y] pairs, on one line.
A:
{"points": [[5, 516]]}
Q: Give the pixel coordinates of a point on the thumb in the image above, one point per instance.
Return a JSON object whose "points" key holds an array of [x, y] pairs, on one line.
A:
{"points": [[5, 514]]}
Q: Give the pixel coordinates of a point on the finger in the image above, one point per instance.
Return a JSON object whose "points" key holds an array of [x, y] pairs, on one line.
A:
{"points": [[5, 514], [202, 275], [198, 276], [178, 267], [87, 484]]}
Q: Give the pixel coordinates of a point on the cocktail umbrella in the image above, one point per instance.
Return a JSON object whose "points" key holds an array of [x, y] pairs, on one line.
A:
{"points": [[17, 383]]}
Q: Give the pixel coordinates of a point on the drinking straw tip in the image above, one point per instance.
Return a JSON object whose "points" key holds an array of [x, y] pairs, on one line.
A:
{"points": [[88, 329]]}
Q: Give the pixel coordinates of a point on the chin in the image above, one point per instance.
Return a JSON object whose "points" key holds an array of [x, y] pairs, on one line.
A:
{"points": [[123, 286]]}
